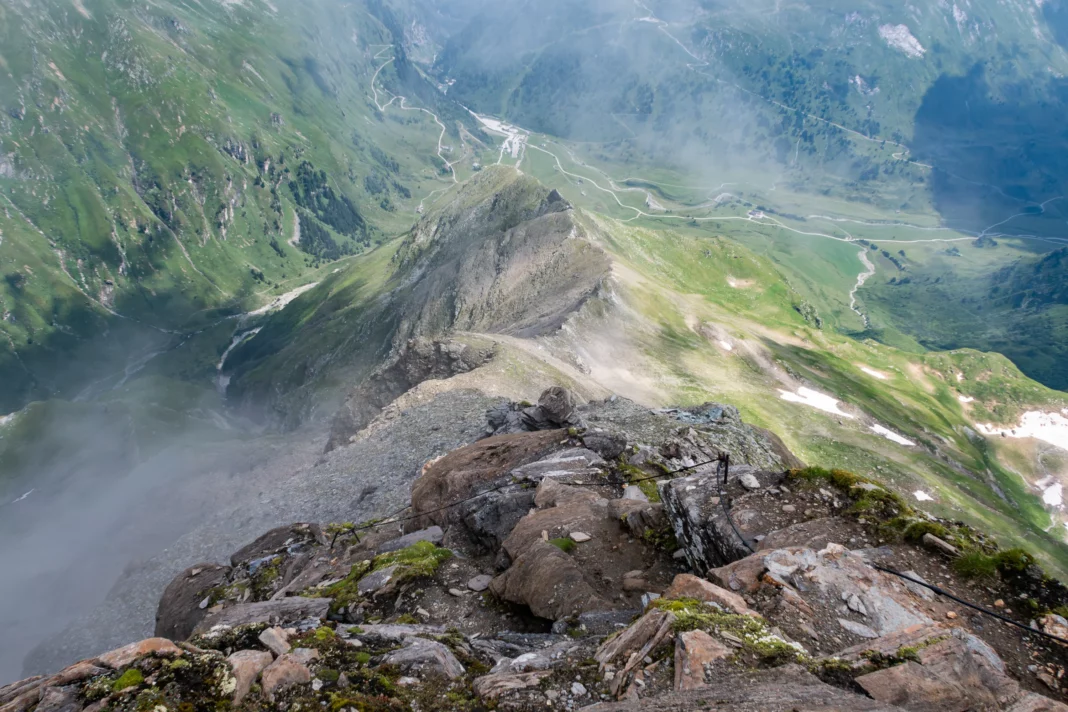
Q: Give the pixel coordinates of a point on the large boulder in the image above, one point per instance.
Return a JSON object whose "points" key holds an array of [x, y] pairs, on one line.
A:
{"points": [[469, 470], [710, 533], [549, 582], [184, 601]]}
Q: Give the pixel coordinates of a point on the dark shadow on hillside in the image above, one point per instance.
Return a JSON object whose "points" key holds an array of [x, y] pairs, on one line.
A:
{"points": [[996, 151]]}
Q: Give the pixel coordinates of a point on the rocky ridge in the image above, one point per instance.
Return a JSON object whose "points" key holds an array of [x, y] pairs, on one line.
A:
{"points": [[593, 556]]}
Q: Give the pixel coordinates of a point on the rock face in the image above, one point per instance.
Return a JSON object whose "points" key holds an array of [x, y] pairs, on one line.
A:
{"points": [[180, 607], [696, 507], [695, 651]]}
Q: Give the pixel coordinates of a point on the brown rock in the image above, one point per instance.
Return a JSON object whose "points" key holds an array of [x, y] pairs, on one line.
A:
{"points": [[59, 699], [455, 476], [490, 687], [247, 666], [76, 673], [275, 640], [690, 586], [288, 669], [179, 608], [126, 655], [742, 575], [915, 688], [15, 689], [1054, 624], [693, 651], [549, 582]]}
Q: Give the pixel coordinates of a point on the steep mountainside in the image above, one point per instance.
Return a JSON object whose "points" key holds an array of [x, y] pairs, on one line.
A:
{"points": [[165, 166]]}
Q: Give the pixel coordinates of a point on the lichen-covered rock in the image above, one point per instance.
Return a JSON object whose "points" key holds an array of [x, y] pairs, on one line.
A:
{"points": [[434, 535]]}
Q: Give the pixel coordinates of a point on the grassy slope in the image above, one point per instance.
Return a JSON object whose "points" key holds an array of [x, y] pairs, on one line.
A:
{"points": [[681, 307], [134, 176]]}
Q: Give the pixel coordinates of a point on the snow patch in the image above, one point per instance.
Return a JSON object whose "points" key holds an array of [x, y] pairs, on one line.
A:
{"points": [[965, 399], [1051, 428], [1054, 495], [899, 37], [891, 435], [873, 373], [814, 399], [5, 419], [727, 345], [23, 496], [922, 496]]}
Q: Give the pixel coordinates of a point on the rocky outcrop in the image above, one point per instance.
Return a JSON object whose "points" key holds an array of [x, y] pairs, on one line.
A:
{"points": [[186, 599], [420, 360], [538, 572]]}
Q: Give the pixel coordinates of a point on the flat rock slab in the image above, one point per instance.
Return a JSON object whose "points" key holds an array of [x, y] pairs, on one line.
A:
{"points": [[434, 535], [391, 632], [425, 657], [376, 580], [282, 612], [480, 583], [783, 689], [493, 686]]}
